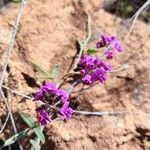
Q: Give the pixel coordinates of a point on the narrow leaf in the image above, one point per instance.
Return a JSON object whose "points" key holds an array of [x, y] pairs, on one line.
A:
{"points": [[91, 51], [27, 119], [55, 71], [16, 137], [35, 145], [39, 134]]}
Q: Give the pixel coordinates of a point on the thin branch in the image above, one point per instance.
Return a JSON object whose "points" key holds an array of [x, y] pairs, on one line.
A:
{"points": [[5, 64], [60, 82], [82, 112], [14, 127], [83, 45], [99, 113], [5, 123], [121, 68], [11, 116], [72, 86], [136, 15], [11, 43], [15, 92], [129, 26], [87, 38]]}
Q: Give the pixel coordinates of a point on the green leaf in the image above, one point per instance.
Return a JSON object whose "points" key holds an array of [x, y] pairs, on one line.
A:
{"points": [[91, 51], [27, 119], [35, 145], [55, 71], [16, 137], [39, 134]]}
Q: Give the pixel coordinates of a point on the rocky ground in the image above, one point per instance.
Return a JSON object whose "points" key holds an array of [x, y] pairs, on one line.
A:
{"points": [[47, 35]]}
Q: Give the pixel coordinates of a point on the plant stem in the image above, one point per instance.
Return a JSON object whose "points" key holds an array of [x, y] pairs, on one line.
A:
{"points": [[99, 113]]}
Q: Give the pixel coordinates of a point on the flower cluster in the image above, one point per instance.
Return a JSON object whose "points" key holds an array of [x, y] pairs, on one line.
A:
{"points": [[112, 43], [49, 93], [50, 90], [92, 69]]}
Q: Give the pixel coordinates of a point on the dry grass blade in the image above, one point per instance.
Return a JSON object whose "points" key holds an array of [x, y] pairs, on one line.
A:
{"points": [[5, 123], [5, 64], [11, 43], [136, 15]]}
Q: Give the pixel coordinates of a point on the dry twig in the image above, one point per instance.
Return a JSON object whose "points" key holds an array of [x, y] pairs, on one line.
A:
{"points": [[5, 64]]}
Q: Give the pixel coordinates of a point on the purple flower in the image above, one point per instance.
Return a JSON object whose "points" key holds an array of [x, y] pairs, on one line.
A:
{"points": [[87, 79], [100, 44], [83, 72], [99, 75], [45, 89], [107, 39], [64, 96], [103, 64], [50, 94], [49, 89], [116, 45], [112, 43], [109, 54], [38, 95], [66, 111], [93, 69], [43, 116]]}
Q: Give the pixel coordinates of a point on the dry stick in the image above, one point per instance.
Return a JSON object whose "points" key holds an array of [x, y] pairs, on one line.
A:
{"points": [[11, 44], [28, 97], [5, 123], [11, 116], [99, 113], [83, 45], [136, 15], [15, 92], [8, 54], [75, 111], [60, 82], [134, 18]]}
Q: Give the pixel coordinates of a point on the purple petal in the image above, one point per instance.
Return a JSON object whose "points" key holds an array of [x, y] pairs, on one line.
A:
{"points": [[66, 111], [38, 96], [87, 79], [43, 116], [64, 96]]}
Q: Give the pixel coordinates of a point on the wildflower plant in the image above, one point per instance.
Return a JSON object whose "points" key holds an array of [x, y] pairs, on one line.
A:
{"points": [[91, 68], [55, 102]]}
